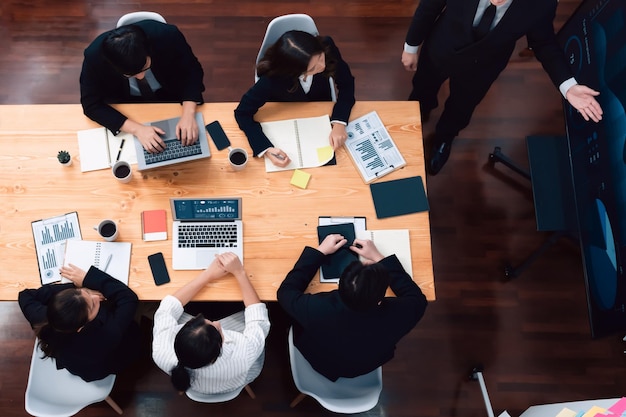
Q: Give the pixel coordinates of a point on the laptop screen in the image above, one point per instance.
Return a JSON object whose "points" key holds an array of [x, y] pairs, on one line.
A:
{"points": [[206, 209]]}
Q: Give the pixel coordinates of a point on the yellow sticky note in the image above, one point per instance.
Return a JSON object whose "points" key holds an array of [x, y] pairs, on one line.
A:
{"points": [[325, 154], [593, 411], [300, 179]]}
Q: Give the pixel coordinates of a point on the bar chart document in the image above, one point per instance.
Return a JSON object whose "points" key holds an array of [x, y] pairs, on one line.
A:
{"points": [[371, 148], [50, 236]]}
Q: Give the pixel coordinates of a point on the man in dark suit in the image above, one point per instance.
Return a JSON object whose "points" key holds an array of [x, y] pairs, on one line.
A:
{"points": [[147, 61], [352, 330], [458, 44]]}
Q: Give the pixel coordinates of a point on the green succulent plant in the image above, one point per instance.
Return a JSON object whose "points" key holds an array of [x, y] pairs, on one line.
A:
{"points": [[63, 157]]}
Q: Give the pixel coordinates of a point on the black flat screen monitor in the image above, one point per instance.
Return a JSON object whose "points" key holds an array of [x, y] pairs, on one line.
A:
{"points": [[594, 41]]}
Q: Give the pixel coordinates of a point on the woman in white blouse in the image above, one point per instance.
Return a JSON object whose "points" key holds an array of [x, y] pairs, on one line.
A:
{"points": [[211, 357]]}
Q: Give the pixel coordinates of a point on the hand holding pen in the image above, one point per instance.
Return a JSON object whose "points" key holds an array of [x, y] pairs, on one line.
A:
{"points": [[278, 157]]}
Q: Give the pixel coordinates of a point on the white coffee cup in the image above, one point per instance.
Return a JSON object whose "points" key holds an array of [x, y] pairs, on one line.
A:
{"points": [[238, 158], [107, 229], [122, 171]]}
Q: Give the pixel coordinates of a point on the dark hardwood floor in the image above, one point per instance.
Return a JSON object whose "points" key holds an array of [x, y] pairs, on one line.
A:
{"points": [[532, 333]]}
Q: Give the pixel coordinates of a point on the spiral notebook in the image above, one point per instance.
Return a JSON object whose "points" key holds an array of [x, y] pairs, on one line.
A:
{"points": [[110, 257], [391, 242], [304, 140]]}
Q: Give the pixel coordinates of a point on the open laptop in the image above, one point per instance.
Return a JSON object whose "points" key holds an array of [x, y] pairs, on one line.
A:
{"points": [[174, 152], [204, 227]]}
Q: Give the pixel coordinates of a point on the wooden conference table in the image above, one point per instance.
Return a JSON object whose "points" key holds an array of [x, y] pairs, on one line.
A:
{"points": [[279, 218]]}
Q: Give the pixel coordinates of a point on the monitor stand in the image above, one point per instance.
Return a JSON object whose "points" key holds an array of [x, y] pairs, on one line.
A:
{"points": [[553, 194]]}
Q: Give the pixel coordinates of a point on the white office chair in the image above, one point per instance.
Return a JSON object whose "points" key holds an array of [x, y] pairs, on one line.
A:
{"points": [[135, 17], [281, 24], [346, 395], [53, 392], [218, 398]]}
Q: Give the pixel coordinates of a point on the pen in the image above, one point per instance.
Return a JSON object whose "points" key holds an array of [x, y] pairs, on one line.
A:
{"points": [[108, 262], [277, 155], [119, 153]]}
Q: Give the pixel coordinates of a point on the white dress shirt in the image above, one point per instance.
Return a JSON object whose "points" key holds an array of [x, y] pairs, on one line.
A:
{"points": [[242, 354], [500, 10]]}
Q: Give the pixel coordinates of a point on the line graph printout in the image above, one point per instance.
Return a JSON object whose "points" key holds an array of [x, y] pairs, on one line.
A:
{"points": [[50, 236]]}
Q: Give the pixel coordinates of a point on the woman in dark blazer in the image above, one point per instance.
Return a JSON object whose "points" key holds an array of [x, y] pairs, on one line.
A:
{"points": [[87, 326], [297, 68]]}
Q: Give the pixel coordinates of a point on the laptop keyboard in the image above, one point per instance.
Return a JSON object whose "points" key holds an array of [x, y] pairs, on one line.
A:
{"points": [[207, 236], [173, 150]]}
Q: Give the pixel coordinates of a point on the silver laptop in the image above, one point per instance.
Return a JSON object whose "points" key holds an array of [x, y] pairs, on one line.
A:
{"points": [[204, 227], [174, 152]]}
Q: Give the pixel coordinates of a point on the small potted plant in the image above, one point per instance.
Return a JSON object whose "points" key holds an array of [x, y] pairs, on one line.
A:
{"points": [[64, 158]]}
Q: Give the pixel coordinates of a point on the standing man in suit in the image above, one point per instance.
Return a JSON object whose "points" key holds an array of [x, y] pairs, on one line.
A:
{"points": [[147, 61], [470, 42]]}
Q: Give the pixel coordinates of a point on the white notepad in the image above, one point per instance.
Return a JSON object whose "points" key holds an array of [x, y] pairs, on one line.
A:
{"points": [[98, 149], [110, 257], [391, 242], [306, 141]]}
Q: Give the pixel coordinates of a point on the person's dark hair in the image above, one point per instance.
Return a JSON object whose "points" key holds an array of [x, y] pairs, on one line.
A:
{"points": [[66, 312], [291, 54], [197, 344], [126, 49], [362, 287]]}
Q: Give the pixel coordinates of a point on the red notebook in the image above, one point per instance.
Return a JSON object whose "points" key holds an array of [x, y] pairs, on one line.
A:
{"points": [[154, 225]]}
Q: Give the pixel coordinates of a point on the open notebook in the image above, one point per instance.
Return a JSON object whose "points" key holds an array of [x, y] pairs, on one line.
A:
{"points": [[98, 148], [391, 242], [306, 141], [110, 257]]}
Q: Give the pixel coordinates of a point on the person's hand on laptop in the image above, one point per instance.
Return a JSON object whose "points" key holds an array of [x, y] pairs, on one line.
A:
{"points": [[278, 157], [150, 139], [187, 128], [148, 136]]}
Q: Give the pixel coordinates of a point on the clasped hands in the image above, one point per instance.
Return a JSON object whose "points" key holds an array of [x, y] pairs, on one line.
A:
{"points": [[363, 247], [223, 264]]}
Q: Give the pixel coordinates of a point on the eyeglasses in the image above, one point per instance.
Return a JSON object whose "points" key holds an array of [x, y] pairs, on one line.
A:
{"points": [[146, 68], [143, 70]]}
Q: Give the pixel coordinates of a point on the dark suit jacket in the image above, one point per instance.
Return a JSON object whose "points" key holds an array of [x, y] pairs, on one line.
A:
{"points": [[337, 341], [277, 89], [106, 344], [173, 64], [445, 26]]}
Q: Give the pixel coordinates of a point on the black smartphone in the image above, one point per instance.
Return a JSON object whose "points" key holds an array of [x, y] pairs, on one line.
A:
{"points": [[218, 135], [159, 270]]}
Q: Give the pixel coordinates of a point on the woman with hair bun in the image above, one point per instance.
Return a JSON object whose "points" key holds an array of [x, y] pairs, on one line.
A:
{"points": [[211, 357]]}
